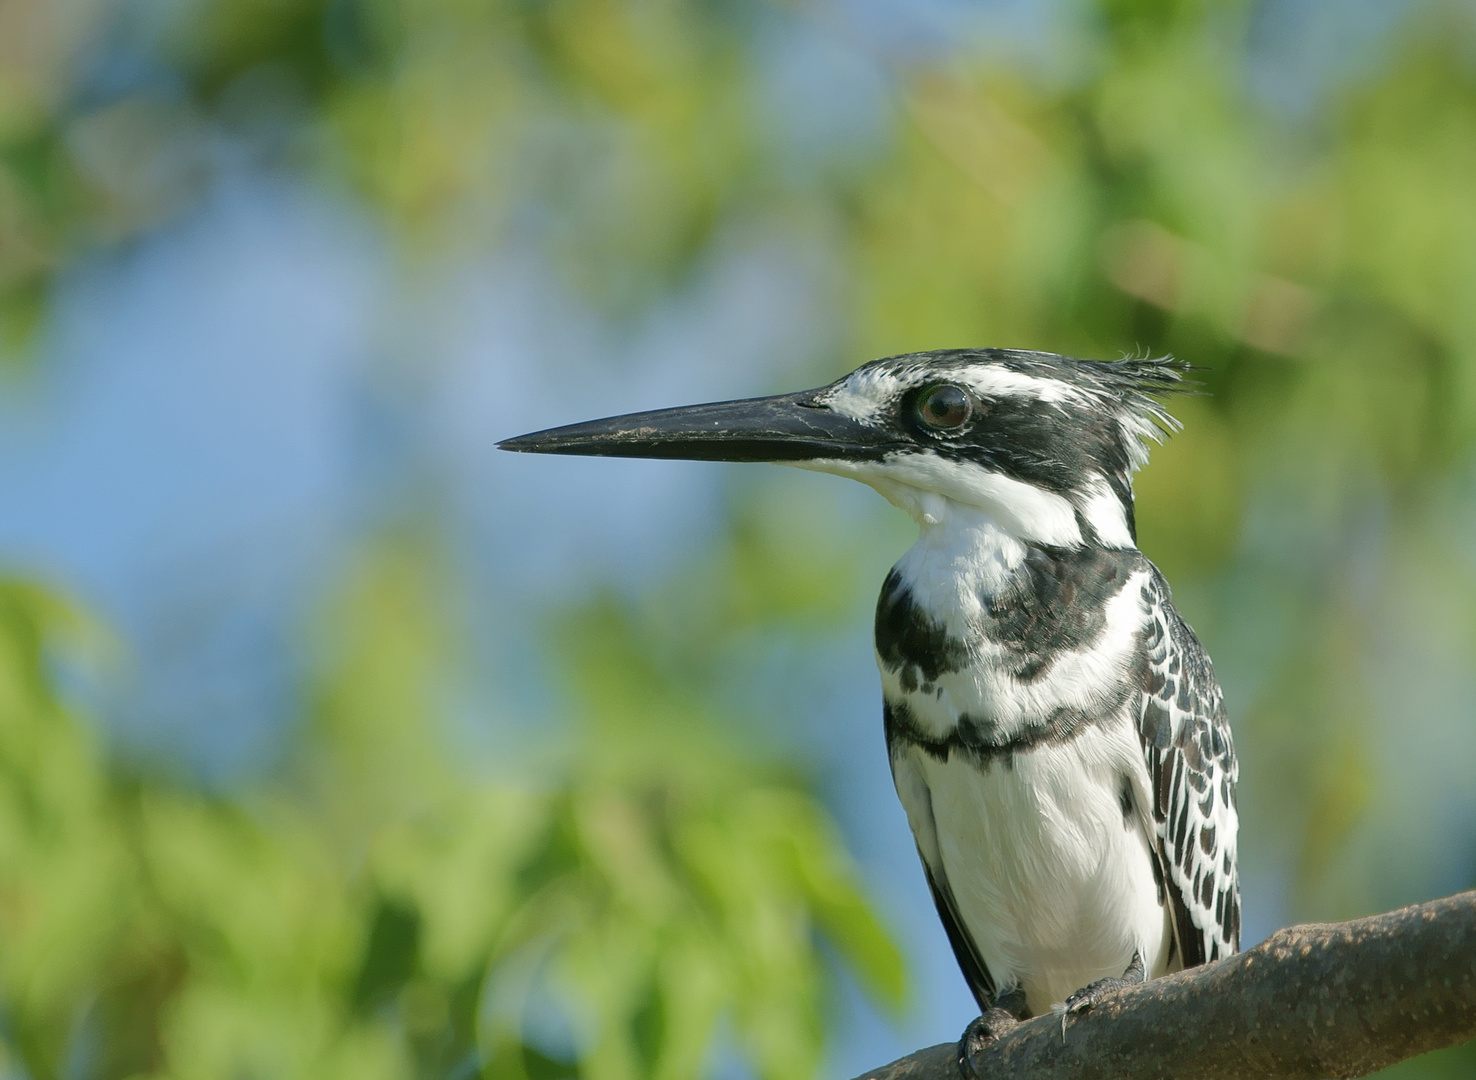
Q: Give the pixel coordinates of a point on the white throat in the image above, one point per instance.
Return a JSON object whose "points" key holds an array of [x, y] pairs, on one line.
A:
{"points": [[931, 488], [935, 490], [962, 557]]}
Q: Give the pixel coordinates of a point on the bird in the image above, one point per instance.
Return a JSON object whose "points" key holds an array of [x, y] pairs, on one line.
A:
{"points": [[1056, 733]]}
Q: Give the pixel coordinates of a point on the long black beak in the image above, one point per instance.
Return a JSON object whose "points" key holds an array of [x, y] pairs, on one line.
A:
{"points": [[789, 427]]}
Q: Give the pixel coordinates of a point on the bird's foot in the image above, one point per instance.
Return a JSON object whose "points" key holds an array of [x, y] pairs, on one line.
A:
{"points": [[1088, 996], [999, 1020]]}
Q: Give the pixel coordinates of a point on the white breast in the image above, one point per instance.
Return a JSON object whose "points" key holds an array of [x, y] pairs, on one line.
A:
{"points": [[1053, 882]]}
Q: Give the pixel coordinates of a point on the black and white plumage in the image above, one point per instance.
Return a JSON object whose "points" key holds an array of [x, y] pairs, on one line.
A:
{"points": [[1191, 761], [1055, 730]]}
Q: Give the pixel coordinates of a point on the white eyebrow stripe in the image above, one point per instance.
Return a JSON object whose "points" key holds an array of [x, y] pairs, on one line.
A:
{"points": [[865, 395], [1002, 382]]}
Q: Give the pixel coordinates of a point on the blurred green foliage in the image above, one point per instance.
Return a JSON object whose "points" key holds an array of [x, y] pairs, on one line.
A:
{"points": [[372, 910], [376, 911]]}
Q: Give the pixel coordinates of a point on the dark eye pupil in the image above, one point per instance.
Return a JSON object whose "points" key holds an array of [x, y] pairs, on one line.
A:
{"points": [[945, 407]]}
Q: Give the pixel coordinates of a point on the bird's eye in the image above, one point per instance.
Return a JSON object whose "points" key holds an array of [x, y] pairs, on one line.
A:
{"points": [[945, 407]]}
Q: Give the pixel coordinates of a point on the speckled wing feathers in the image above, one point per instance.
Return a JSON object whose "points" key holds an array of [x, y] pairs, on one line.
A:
{"points": [[1191, 763]]}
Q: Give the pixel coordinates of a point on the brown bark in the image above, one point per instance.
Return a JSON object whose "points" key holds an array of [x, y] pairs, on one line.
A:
{"points": [[1320, 1000]]}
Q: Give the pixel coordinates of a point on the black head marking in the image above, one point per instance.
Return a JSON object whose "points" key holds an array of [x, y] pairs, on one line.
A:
{"points": [[1047, 420]]}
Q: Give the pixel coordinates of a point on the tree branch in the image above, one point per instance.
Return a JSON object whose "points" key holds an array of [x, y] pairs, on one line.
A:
{"points": [[1320, 1000]]}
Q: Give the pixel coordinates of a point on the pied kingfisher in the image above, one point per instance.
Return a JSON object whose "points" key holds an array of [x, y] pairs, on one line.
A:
{"points": [[1056, 733]]}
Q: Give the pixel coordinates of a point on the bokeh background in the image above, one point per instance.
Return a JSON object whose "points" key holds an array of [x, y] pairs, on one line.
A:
{"points": [[335, 744]]}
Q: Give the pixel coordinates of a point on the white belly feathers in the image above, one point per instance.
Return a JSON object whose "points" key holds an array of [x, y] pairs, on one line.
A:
{"points": [[1052, 878]]}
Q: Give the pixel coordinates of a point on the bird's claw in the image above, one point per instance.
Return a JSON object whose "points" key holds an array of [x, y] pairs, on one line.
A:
{"points": [[983, 1031], [1088, 996]]}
